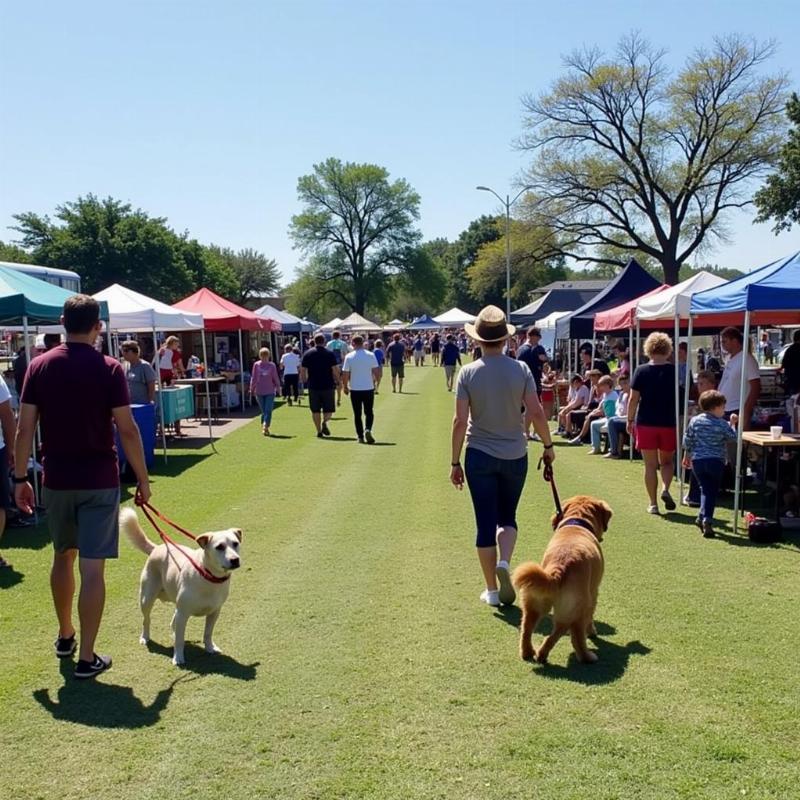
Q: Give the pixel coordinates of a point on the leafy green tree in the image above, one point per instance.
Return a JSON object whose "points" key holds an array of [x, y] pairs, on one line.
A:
{"points": [[208, 269], [360, 226], [533, 264], [105, 242], [254, 273], [313, 295], [422, 288], [14, 254], [463, 254], [628, 157], [779, 199]]}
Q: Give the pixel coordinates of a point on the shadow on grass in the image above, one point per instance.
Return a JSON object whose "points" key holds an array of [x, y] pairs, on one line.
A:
{"points": [[98, 704], [201, 663], [611, 665], [28, 537], [10, 577], [512, 615], [340, 439], [280, 436], [790, 543], [383, 444]]}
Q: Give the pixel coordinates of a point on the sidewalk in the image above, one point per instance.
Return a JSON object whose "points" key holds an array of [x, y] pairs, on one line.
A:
{"points": [[197, 429]]}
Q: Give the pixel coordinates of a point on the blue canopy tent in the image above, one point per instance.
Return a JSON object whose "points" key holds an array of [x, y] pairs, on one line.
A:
{"points": [[555, 300], [424, 323], [769, 295]]}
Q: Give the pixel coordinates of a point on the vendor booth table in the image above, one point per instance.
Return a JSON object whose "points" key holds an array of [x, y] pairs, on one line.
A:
{"points": [[205, 402], [785, 449], [177, 403]]}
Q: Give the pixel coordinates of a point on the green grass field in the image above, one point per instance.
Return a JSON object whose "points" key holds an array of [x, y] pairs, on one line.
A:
{"points": [[358, 662]]}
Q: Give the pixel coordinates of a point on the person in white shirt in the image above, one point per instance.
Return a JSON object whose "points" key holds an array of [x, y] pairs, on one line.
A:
{"points": [[577, 398], [290, 367], [730, 383], [359, 374], [8, 432]]}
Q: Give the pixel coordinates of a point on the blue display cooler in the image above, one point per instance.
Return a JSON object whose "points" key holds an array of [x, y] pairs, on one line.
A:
{"points": [[145, 417], [178, 403]]}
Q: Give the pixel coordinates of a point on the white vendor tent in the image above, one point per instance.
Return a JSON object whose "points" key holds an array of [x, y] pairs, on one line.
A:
{"points": [[547, 325], [355, 322], [395, 325], [454, 318], [332, 325], [675, 301]]}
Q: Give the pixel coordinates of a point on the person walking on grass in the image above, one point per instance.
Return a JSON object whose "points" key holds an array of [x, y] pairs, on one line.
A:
{"points": [[78, 395], [320, 373], [451, 356], [8, 432], [380, 357], [651, 418], [396, 353], [290, 364], [339, 348], [705, 444], [489, 394], [359, 374], [265, 386]]}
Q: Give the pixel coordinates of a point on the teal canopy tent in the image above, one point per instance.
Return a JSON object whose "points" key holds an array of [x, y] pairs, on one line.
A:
{"points": [[30, 301]]}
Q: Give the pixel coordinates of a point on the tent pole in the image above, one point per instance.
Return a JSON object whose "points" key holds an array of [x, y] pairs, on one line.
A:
{"points": [[241, 365], [742, 421], [688, 376], [678, 459], [208, 389], [25, 333], [160, 397]]}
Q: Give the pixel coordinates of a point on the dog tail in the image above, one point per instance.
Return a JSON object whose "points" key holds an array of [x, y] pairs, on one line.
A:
{"points": [[536, 579], [129, 525]]}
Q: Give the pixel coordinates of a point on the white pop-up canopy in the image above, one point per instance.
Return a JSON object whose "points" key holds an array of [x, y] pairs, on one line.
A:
{"points": [[675, 301], [454, 318], [332, 325], [130, 311], [355, 322]]}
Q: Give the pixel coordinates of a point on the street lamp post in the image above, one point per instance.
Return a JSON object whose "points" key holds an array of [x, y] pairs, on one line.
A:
{"points": [[507, 203]]}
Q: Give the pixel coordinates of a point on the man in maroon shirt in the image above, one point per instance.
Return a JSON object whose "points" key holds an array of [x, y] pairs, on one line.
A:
{"points": [[75, 393]]}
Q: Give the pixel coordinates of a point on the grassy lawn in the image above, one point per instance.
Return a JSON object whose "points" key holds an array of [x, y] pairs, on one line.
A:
{"points": [[358, 662]]}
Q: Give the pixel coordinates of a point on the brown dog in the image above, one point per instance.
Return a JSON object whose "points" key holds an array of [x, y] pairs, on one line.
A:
{"points": [[567, 580]]}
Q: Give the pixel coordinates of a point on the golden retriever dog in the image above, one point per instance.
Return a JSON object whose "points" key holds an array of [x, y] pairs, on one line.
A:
{"points": [[169, 576], [567, 580]]}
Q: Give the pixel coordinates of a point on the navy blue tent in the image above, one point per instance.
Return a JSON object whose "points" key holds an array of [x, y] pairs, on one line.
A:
{"points": [[424, 323], [632, 282], [554, 300]]}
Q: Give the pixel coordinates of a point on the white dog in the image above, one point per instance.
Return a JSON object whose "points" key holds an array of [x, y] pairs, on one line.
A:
{"points": [[168, 575]]}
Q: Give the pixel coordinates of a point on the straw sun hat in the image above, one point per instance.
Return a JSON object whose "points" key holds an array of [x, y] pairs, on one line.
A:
{"points": [[490, 326]]}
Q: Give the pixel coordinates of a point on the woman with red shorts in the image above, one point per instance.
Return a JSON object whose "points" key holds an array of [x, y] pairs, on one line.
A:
{"points": [[651, 418]]}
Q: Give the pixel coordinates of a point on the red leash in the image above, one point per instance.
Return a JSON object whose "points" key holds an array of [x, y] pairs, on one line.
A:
{"points": [[547, 474], [147, 509]]}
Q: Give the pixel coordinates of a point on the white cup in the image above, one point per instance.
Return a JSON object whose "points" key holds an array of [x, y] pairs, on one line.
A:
{"points": [[775, 431]]}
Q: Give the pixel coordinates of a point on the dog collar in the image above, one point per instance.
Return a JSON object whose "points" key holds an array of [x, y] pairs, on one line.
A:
{"points": [[581, 523]]}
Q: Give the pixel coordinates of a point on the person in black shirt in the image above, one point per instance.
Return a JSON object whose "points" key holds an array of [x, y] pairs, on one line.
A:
{"points": [[651, 417], [587, 363], [790, 365], [534, 355], [320, 374]]}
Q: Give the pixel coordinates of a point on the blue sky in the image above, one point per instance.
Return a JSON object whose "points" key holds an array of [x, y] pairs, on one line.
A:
{"points": [[206, 113]]}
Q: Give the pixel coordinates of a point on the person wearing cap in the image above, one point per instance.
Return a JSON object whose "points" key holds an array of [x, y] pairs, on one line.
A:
{"points": [[489, 393]]}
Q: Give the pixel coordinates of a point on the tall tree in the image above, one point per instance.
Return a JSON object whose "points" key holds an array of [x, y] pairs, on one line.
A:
{"points": [[628, 157], [255, 274], [361, 226], [14, 254], [532, 265], [105, 242], [779, 200], [208, 269], [463, 254]]}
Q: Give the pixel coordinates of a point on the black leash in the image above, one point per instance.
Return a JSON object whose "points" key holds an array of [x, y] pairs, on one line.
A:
{"points": [[547, 474]]}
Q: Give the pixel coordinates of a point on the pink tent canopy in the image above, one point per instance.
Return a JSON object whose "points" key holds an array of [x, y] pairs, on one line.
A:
{"points": [[622, 317], [220, 314]]}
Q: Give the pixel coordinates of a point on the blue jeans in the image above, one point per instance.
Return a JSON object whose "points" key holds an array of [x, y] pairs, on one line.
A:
{"points": [[495, 485], [708, 472], [595, 432], [266, 402], [616, 426]]}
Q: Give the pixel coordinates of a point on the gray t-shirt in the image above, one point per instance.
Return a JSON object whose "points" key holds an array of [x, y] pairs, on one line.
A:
{"points": [[139, 375], [495, 387]]}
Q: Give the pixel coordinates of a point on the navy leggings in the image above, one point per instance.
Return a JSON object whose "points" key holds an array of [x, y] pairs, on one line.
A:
{"points": [[495, 485], [708, 472]]}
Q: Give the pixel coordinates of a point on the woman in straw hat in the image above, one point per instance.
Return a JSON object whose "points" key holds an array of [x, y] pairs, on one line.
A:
{"points": [[489, 394]]}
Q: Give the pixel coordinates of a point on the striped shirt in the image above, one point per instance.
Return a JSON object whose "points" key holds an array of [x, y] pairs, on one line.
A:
{"points": [[706, 435]]}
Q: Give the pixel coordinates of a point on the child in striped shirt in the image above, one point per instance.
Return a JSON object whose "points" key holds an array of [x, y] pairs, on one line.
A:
{"points": [[704, 444]]}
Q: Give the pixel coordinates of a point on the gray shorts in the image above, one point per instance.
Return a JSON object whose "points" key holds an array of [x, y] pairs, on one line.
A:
{"points": [[84, 519], [449, 370]]}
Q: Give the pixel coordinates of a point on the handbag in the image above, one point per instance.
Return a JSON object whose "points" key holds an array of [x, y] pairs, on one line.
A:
{"points": [[763, 531]]}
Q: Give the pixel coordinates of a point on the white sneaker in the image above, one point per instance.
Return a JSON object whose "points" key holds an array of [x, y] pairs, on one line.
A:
{"points": [[576, 440], [653, 510], [506, 593], [491, 598], [593, 452]]}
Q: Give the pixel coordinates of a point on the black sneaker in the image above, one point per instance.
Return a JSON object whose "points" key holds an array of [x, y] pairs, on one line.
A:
{"points": [[65, 647], [319, 435], [89, 669], [326, 431], [361, 440], [669, 503], [708, 530], [369, 437]]}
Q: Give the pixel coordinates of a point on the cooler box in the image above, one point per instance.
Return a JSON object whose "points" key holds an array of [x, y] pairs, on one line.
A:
{"points": [[145, 418], [178, 402]]}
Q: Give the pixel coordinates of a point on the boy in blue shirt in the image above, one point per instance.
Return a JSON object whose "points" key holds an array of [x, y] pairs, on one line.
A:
{"points": [[704, 443]]}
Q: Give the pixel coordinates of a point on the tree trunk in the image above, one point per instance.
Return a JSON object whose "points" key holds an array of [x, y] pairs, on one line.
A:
{"points": [[671, 270]]}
